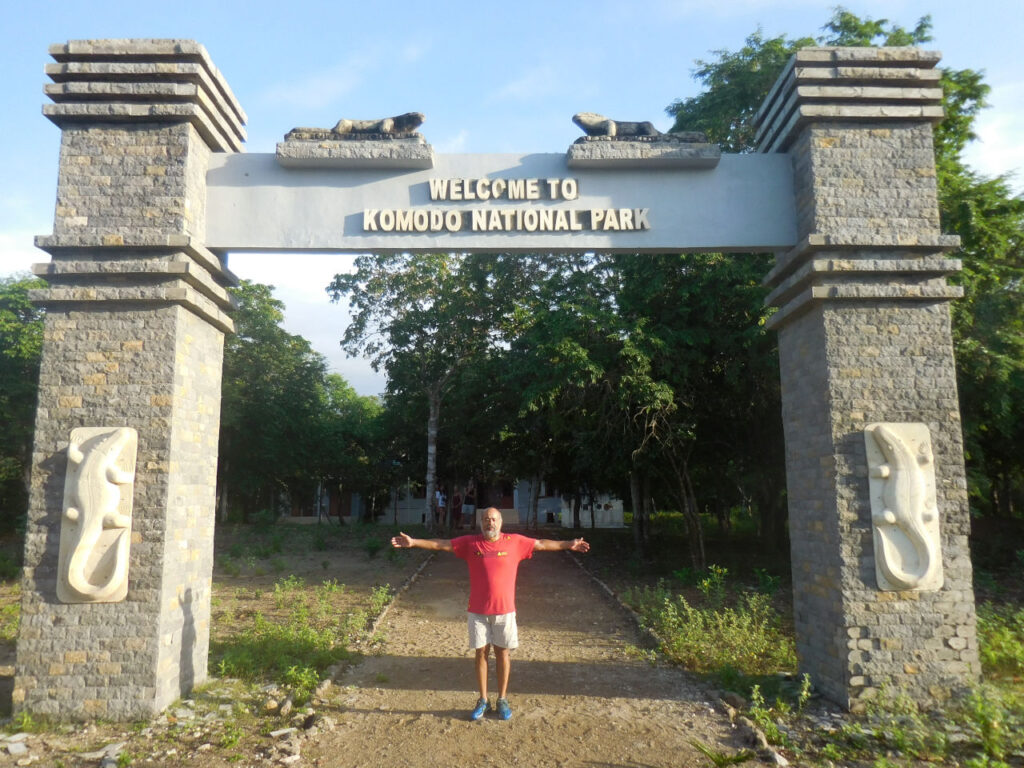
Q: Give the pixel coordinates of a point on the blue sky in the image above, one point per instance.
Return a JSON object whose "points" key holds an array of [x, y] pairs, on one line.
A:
{"points": [[490, 77]]}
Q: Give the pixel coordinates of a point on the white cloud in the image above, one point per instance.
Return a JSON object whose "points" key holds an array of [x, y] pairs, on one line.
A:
{"points": [[453, 144], [300, 281], [17, 252], [531, 84], [414, 52], [1000, 145], [323, 88]]}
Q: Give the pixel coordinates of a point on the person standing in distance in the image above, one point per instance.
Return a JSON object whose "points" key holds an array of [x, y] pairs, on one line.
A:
{"points": [[493, 558]]}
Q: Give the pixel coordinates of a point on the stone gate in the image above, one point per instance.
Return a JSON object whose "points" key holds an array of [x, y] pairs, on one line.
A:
{"points": [[154, 191]]}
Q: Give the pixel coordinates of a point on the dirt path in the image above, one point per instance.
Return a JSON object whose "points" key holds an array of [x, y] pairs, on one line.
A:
{"points": [[578, 698]]}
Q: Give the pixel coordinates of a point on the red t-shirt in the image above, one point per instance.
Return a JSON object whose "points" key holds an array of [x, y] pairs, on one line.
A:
{"points": [[492, 569]]}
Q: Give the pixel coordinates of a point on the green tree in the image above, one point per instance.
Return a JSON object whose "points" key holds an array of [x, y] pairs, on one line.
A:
{"points": [[273, 405], [988, 322], [21, 341], [423, 318]]}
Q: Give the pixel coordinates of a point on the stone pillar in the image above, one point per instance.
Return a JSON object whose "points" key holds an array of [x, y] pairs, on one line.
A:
{"points": [[136, 316], [864, 337]]}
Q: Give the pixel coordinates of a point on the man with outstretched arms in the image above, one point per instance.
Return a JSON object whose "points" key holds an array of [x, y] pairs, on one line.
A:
{"points": [[493, 558]]}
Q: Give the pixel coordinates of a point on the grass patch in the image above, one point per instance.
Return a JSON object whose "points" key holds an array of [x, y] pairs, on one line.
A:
{"points": [[1001, 646], [295, 647], [734, 643]]}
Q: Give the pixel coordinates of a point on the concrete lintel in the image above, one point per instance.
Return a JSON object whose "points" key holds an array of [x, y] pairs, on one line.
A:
{"points": [[143, 81], [391, 153], [643, 154], [789, 261], [77, 113], [891, 56], [64, 245], [143, 50], [869, 292], [173, 292], [856, 269], [95, 271], [909, 76]]}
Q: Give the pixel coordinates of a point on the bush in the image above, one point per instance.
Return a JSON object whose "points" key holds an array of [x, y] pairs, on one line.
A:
{"points": [[1001, 640], [747, 638]]}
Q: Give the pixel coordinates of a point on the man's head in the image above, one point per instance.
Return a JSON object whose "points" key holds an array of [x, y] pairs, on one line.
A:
{"points": [[490, 523]]}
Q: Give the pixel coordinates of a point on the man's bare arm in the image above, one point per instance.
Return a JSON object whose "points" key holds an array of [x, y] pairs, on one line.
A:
{"points": [[405, 541], [553, 545]]}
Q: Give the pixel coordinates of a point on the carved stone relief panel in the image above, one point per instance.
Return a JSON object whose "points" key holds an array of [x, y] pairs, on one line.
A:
{"points": [[904, 514], [96, 523]]}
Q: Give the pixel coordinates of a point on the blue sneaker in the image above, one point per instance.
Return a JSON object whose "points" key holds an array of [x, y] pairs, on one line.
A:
{"points": [[504, 710], [481, 707]]}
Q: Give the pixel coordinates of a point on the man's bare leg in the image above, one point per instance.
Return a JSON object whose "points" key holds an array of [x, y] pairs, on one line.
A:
{"points": [[503, 668], [481, 668]]}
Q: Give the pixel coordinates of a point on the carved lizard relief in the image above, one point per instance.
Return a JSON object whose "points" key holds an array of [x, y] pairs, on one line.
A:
{"points": [[96, 526], [904, 514]]}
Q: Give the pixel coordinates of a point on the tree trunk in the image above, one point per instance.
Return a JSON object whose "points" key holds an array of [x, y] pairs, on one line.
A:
{"points": [[687, 500], [531, 514], [692, 514], [576, 501], [433, 419], [648, 508], [639, 515]]}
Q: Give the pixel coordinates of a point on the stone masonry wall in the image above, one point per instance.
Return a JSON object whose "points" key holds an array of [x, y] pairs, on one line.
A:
{"points": [[859, 181], [188, 543], [108, 368], [131, 181], [137, 310], [864, 336], [879, 364]]}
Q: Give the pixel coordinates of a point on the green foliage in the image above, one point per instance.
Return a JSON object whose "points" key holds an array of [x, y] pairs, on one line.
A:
{"points": [[296, 649], [293, 652], [1001, 640], [372, 545], [286, 423], [747, 638], [10, 619], [10, 568], [21, 340], [981, 729], [762, 714], [719, 758]]}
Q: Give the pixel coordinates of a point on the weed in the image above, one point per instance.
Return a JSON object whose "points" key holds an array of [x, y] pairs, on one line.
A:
{"points": [[382, 678], [762, 715], [331, 587], [124, 759], [285, 590], [713, 585], [23, 721], [10, 620], [295, 650], [230, 566], [995, 721], [686, 576], [766, 583], [747, 638], [372, 545], [303, 680], [9, 568], [379, 598], [231, 736], [719, 758], [353, 624], [1001, 635]]}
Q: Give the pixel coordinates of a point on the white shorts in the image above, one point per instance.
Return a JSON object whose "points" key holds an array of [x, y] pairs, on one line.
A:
{"points": [[499, 630]]}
